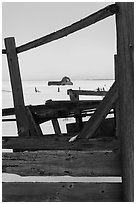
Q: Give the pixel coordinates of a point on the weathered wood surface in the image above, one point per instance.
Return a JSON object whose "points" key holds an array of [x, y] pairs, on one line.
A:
{"points": [[125, 52], [89, 20], [18, 99], [78, 118], [56, 105], [60, 163], [117, 78], [55, 142], [101, 112], [86, 92], [34, 127], [61, 192], [106, 129], [73, 96]]}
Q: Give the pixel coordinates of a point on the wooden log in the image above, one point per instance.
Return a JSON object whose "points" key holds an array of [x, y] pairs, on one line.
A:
{"points": [[125, 51], [99, 15], [55, 142], [61, 192], [56, 126], [22, 121], [60, 163], [101, 112]]}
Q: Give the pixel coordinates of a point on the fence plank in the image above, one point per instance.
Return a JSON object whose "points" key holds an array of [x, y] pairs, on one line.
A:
{"points": [[99, 15], [60, 163], [61, 192], [101, 112], [55, 142], [125, 52]]}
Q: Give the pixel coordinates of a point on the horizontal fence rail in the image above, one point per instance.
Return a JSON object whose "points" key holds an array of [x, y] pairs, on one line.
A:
{"points": [[62, 192], [99, 15], [56, 105], [55, 142], [60, 163]]}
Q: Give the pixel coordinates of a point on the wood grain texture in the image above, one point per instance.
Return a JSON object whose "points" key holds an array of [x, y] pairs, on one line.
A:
{"points": [[106, 129], [101, 112], [78, 117], [34, 127], [125, 52], [17, 91], [58, 107], [89, 20], [59, 163], [61, 192], [117, 78], [56, 142]]}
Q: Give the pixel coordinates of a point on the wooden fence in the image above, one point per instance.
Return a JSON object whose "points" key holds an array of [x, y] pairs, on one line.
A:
{"points": [[102, 147]]}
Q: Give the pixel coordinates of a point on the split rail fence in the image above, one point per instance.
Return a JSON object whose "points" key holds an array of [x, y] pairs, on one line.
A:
{"points": [[96, 152]]}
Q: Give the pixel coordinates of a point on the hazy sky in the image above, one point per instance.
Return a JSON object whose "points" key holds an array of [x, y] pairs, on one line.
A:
{"points": [[86, 54]]}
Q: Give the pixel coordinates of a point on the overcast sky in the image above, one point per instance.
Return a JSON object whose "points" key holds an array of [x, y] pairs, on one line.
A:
{"points": [[86, 54]]}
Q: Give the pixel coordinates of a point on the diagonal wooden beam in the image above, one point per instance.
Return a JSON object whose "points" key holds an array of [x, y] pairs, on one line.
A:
{"points": [[35, 129], [83, 23], [101, 112]]}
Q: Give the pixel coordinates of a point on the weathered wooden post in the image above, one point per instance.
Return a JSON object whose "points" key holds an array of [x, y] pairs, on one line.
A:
{"points": [[25, 124], [125, 52], [20, 112], [117, 102], [74, 96]]}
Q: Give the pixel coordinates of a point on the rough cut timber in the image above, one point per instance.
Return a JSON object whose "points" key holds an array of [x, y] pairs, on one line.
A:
{"points": [[101, 112], [61, 192], [125, 52], [60, 163], [106, 129], [55, 142], [57, 105], [17, 91], [99, 15]]}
